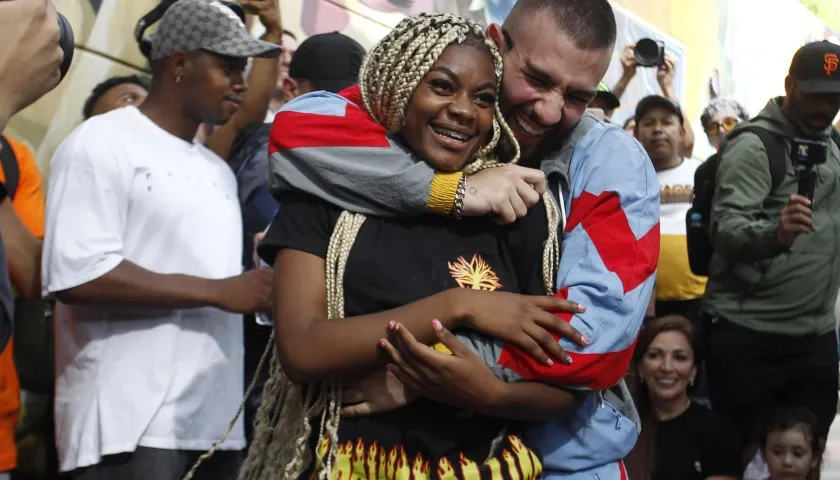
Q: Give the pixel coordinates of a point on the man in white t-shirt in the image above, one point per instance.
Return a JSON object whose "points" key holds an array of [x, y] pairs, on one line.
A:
{"points": [[660, 130], [143, 250]]}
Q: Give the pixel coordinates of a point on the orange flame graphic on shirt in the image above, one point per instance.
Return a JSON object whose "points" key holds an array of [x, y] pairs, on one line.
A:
{"points": [[469, 468], [445, 470], [475, 274], [421, 468], [356, 461], [831, 62]]}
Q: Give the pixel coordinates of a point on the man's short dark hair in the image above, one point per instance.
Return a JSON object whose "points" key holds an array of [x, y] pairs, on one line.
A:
{"points": [[102, 88], [589, 23]]}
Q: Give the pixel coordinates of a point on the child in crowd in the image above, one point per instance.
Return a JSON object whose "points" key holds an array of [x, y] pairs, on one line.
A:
{"points": [[789, 444]]}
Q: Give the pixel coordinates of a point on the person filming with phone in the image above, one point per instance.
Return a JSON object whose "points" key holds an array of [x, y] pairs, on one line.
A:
{"points": [[775, 270]]}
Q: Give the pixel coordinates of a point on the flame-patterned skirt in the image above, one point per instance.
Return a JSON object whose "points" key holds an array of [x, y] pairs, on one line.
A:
{"points": [[428, 440]]}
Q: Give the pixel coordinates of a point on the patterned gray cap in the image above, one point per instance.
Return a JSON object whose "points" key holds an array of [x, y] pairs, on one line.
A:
{"points": [[190, 25]]}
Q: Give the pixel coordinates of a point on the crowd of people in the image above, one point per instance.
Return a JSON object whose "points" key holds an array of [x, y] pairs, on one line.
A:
{"points": [[439, 258]]}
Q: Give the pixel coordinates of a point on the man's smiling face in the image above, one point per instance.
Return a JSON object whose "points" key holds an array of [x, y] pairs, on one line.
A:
{"points": [[547, 81]]}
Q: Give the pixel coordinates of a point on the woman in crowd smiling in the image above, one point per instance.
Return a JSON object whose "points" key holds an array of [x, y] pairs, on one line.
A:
{"points": [[680, 438]]}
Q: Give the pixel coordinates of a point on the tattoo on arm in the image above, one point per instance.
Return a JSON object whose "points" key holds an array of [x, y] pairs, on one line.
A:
{"points": [[472, 191]]}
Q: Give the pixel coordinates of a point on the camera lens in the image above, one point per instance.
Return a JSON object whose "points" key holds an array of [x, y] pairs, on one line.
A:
{"points": [[67, 43], [646, 52]]}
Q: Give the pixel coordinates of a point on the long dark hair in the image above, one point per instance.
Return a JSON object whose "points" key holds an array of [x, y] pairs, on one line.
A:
{"points": [[640, 461]]}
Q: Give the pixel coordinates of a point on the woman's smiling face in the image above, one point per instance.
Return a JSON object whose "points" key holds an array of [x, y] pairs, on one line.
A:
{"points": [[450, 114], [668, 367]]}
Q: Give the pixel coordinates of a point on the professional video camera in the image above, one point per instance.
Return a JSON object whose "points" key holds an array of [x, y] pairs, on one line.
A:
{"points": [[806, 155], [145, 43]]}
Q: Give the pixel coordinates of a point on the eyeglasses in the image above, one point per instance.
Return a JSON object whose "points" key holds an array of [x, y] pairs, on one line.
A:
{"points": [[728, 124]]}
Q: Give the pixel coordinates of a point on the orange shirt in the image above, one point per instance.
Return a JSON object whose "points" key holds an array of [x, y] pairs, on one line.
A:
{"points": [[29, 205], [29, 197]]}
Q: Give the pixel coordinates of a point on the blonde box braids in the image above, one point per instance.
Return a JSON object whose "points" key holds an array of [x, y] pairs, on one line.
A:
{"points": [[388, 77]]}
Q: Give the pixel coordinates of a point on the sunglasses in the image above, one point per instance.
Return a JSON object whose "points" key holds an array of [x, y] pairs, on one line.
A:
{"points": [[728, 124]]}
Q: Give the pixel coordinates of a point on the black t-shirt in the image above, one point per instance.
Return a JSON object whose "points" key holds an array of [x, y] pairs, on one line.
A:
{"points": [[696, 445], [394, 262]]}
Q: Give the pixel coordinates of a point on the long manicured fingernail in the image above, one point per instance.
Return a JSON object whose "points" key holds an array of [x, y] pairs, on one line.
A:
{"points": [[584, 340], [569, 359], [392, 325], [549, 362], [436, 324], [581, 307], [382, 342]]}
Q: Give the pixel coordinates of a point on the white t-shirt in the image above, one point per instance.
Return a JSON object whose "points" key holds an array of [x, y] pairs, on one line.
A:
{"points": [[674, 280], [122, 188]]}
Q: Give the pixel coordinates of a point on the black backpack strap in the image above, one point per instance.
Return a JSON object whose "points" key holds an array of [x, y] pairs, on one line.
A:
{"points": [[10, 166], [774, 146]]}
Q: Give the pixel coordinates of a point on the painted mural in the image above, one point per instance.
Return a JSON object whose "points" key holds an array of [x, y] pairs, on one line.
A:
{"points": [[720, 46]]}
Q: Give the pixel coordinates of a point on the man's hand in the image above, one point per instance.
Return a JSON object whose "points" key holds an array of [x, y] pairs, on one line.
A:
{"points": [[507, 192], [796, 219], [249, 292], [269, 13], [377, 393], [522, 320], [665, 77], [29, 54], [629, 62]]}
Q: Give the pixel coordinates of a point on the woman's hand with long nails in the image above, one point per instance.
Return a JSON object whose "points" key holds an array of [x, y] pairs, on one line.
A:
{"points": [[460, 379], [525, 321]]}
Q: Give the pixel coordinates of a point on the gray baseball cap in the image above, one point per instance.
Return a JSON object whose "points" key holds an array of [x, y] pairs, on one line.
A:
{"points": [[209, 25]]}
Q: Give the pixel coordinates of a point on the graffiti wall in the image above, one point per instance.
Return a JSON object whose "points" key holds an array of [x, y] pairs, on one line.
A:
{"points": [[721, 48]]}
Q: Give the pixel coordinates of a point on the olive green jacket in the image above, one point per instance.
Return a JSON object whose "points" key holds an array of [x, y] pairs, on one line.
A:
{"points": [[753, 281]]}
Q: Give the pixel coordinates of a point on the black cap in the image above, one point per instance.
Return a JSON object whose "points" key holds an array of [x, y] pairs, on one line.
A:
{"points": [[606, 96], [815, 68], [656, 101], [331, 61]]}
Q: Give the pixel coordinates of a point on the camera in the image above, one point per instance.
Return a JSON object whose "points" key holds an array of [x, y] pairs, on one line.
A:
{"points": [[806, 155], [145, 43], [649, 53], [66, 42]]}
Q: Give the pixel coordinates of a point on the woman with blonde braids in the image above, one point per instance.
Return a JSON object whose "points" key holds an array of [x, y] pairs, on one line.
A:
{"points": [[429, 88]]}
